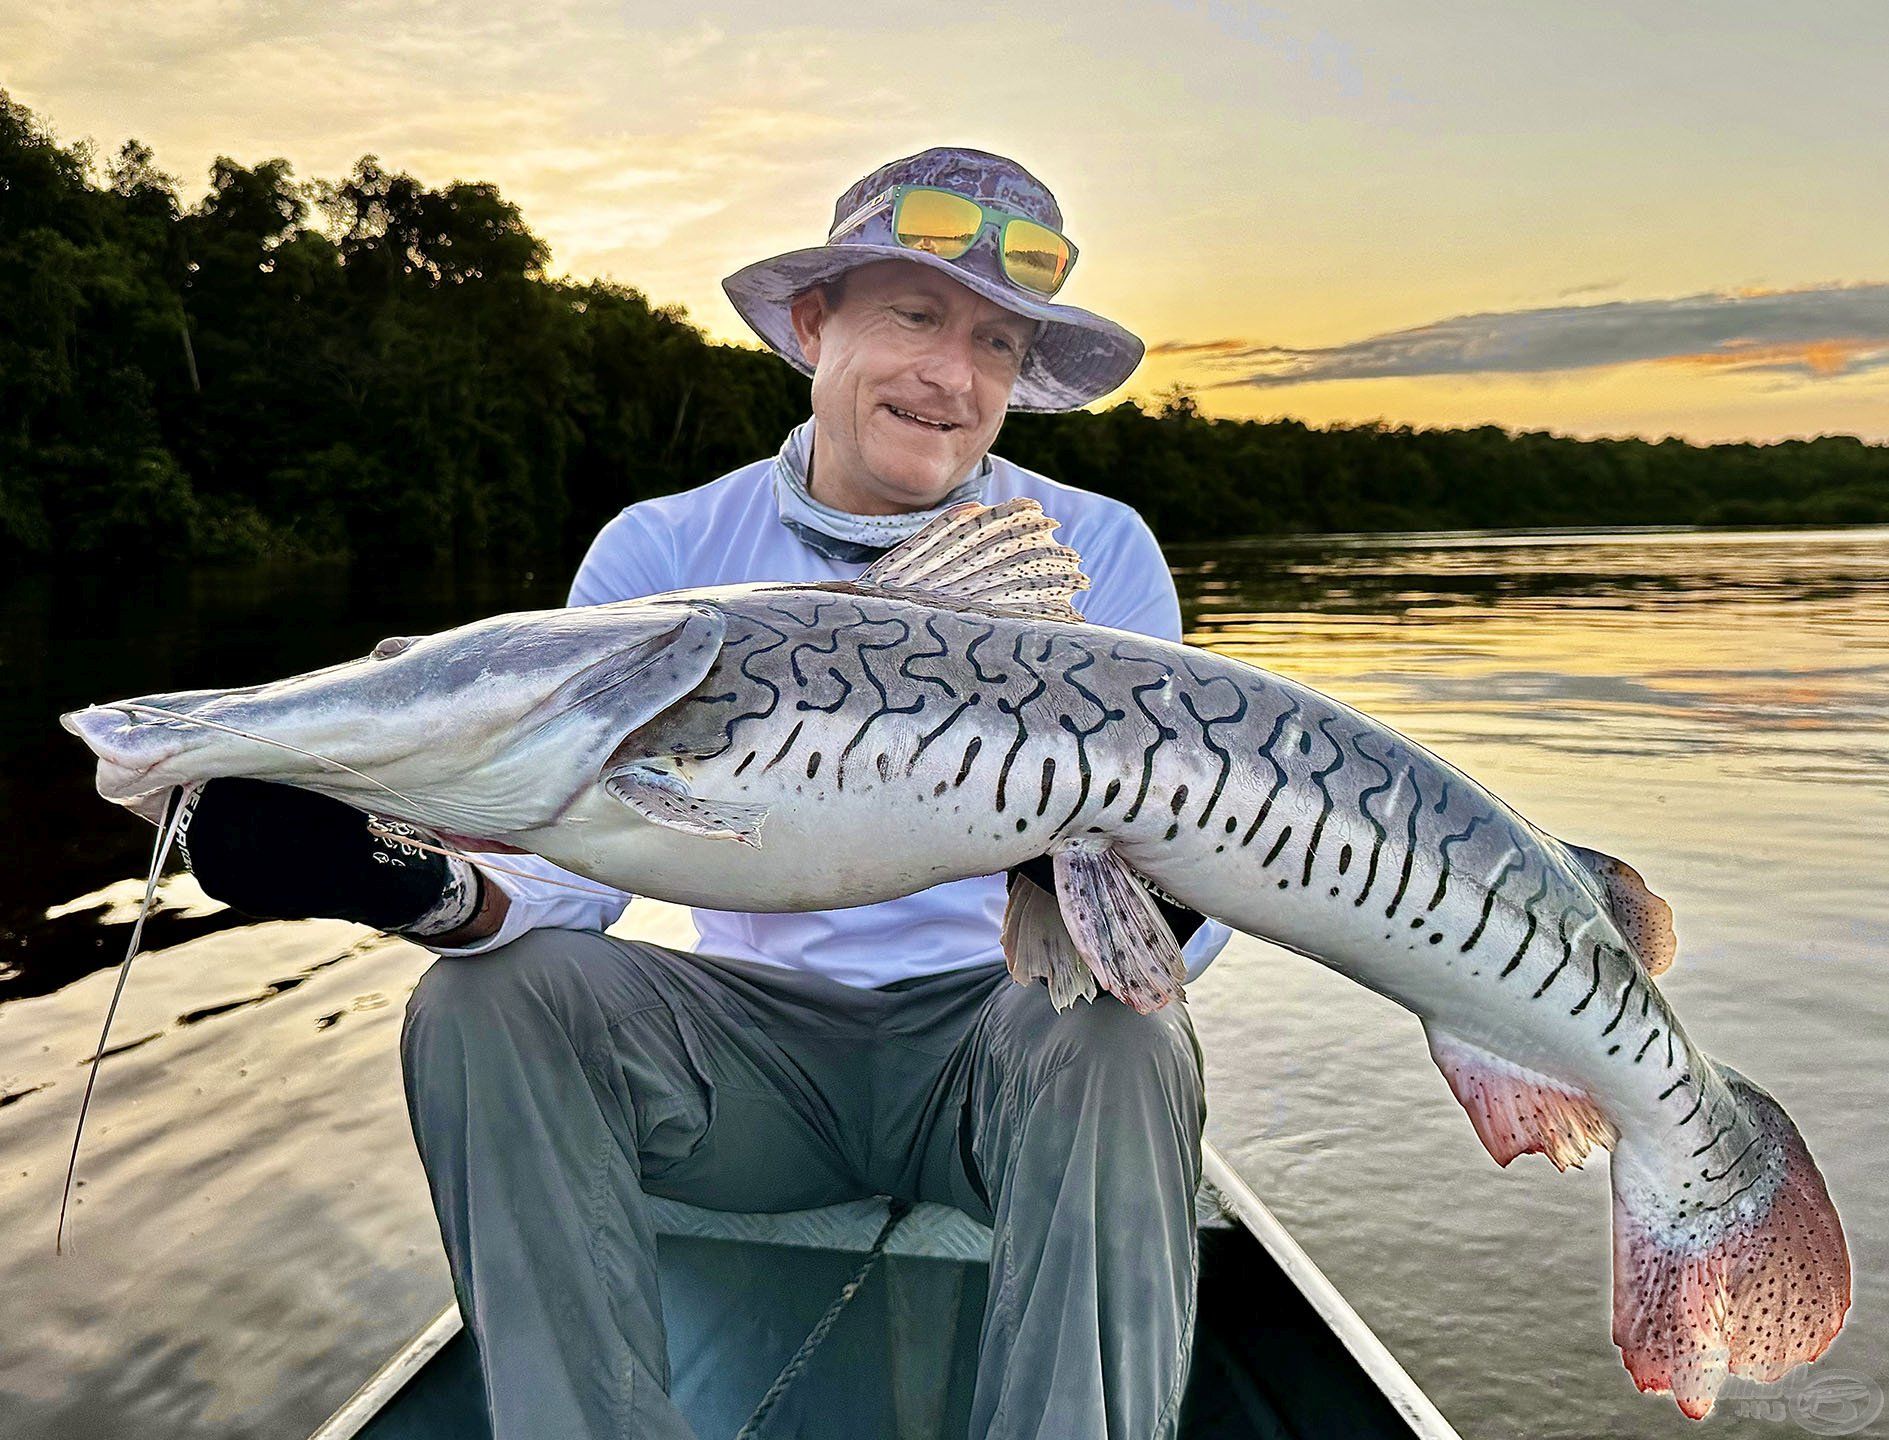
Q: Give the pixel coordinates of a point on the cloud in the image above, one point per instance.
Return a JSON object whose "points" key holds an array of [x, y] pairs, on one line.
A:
{"points": [[1813, 333], [1821, 358], [1201, 347], [1592, 287]]}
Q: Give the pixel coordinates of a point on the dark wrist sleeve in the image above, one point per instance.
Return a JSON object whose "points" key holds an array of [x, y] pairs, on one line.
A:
{"points": [[279, 853]]}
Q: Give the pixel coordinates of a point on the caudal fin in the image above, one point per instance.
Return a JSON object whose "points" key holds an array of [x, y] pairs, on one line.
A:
{"points": [[1752, 1284], [1733, 1266]]}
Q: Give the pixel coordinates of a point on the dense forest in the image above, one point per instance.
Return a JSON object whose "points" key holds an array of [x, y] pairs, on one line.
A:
{"points": [[370, 367]]}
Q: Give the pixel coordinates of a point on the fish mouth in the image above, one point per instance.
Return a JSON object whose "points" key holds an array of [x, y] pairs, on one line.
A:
{"points": [[129, 748]]}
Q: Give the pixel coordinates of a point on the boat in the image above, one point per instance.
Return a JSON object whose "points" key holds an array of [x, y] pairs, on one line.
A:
{"points": [[878, 1334]]}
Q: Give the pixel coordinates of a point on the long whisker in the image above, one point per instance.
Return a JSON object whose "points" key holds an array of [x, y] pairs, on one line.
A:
{"points": [[166, 837]]}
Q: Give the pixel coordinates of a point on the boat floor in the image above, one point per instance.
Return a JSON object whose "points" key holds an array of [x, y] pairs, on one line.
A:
{"points": [[1278, 1353]]}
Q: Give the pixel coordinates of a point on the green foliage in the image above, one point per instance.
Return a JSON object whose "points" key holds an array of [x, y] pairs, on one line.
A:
{"points": [[372, 367]]}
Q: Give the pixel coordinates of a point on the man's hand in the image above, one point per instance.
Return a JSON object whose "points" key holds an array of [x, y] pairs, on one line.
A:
{"points": [[280, 853], [1041, 872]]}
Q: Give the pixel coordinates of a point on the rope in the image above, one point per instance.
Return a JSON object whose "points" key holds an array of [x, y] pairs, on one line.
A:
{"points": [[896, 1211]]}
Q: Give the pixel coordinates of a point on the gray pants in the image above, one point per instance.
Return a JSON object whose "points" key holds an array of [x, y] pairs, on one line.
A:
{"points": [[556, 1081]]}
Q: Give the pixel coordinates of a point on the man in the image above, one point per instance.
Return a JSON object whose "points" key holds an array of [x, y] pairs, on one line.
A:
{"points": [[557, 1076]]}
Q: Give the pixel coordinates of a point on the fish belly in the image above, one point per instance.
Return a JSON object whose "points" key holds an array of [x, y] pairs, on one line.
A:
{"points": [[841, 828]]}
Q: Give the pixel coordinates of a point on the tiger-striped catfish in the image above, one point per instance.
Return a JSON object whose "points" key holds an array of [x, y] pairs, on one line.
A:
{"points": [[811, 746]]}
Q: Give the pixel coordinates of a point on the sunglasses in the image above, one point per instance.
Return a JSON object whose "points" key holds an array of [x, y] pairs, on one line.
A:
{"points": [[946, 224]]}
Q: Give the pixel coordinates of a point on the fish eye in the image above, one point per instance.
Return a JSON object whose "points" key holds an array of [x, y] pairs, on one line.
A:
{"points": [[391, 647]]}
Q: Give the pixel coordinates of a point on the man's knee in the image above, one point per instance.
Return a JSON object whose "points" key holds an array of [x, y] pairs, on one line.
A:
{"points": [[1097, 1074], [492, 983], [1109, 1043], [1097, 1080], [558, 982]]}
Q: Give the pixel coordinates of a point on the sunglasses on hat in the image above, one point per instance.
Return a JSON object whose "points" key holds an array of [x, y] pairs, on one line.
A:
{"points": [[947, 224]]}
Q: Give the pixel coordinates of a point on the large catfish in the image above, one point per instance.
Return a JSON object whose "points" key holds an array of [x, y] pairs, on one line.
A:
{"points": [[810, 746]]}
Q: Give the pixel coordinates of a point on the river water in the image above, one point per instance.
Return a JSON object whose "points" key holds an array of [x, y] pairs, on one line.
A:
{"points": [[252, 1236]]}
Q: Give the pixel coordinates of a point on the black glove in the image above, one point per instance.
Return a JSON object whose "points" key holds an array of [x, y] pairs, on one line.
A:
{"points": [[279, 853], [1041, 872]]}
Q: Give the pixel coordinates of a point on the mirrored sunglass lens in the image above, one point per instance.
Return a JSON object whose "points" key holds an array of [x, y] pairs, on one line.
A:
{"points": [[940, 224], [1035, 256]]}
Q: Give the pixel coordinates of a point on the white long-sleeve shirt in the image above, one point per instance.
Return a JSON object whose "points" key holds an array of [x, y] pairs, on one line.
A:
{"points": [[729, 532]]}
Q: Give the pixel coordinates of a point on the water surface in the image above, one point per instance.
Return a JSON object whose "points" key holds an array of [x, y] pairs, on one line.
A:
{"points": [[253, 1235]]}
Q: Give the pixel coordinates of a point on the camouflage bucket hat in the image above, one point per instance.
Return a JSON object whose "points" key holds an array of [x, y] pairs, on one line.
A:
{"points": [[1078, 356]]}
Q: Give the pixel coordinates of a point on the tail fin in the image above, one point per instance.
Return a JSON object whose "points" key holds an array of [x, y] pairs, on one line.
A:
{"points": [[1706, 1284], [1754, 1287]]}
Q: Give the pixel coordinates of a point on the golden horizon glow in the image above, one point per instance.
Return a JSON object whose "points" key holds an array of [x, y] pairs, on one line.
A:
{"points": [[1354, 197]]}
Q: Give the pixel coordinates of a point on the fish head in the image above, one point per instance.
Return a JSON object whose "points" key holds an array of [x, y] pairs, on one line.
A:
{"points": [[483, 730]]}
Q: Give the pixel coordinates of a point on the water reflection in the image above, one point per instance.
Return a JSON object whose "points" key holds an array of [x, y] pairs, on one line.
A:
{"points": [[1758, 647]]}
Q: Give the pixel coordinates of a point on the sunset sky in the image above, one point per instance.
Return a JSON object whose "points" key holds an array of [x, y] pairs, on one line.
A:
{"points": [[1609, 218]]}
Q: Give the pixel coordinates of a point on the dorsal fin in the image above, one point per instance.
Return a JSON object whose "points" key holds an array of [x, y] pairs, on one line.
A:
{"points": [[1641, 916], [998, 556]]}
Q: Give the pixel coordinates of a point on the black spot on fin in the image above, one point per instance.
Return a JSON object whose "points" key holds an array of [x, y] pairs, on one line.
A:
{"points": [[1117, 926], [1641, 916], [664, 798]]}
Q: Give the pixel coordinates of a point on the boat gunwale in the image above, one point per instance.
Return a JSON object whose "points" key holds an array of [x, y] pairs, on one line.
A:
{"points": [[1372, 1354], [393, 1377]]}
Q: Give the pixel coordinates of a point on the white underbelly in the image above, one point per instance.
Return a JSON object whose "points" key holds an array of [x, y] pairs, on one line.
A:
{"points": [[824, 844]]}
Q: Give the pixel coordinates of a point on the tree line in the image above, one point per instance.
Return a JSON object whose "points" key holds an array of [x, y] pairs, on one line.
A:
{"points": [[375, 368]]}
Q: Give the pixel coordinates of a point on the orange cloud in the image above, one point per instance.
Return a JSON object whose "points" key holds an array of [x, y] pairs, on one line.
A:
{"points": [[1199, 347], [1822, 358]]}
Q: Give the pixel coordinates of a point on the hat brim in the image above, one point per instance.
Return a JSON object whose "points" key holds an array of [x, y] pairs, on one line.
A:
{"points": [[1078, 357]]}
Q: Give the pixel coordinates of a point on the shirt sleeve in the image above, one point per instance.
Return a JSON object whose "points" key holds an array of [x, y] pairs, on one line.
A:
{"points": [[543, 896], [626, 561], [1132, 588]]}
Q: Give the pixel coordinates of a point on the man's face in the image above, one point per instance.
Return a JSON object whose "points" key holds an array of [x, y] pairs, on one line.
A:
{"points": [[912, 375]]}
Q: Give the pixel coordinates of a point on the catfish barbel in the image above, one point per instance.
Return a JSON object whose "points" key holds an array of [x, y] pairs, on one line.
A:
{"points": [[947, 715]]}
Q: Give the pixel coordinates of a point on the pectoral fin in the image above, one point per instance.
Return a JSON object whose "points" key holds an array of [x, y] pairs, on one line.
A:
{"points": [[1117, 927], [1039, 947], [663, 797]]}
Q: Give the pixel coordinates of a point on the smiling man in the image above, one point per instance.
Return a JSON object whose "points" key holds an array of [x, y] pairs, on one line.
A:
{"points": [[557, 1076], [912, 377]]}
